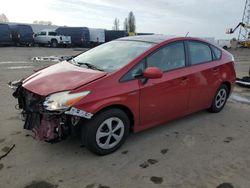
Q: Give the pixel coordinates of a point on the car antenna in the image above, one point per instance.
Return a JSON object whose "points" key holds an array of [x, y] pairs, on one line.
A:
{"points": [[187, 34]]}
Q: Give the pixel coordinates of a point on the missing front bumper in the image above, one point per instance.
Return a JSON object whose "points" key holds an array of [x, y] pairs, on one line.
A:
{"points": [[46, 125]]}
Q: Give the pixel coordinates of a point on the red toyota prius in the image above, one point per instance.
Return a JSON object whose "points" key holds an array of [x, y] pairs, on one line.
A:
{"points": [[124, 86]]}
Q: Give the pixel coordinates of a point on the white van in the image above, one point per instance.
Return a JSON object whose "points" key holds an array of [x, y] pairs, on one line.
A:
{"points": [[97, 36], [224, 43]]}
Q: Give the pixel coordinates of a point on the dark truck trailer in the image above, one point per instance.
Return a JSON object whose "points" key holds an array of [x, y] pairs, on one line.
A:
{"points": [[22, 34], [5, 35], [113, 34], [79, 35]]}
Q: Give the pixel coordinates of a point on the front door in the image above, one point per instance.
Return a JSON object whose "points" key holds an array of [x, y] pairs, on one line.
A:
{"points": [[165, 98]]}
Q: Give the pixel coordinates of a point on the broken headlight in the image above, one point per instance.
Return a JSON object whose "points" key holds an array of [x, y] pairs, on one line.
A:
{"points": [[63, 100]]}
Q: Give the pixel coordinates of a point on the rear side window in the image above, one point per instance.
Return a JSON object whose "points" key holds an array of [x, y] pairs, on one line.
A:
{"points": [[52, 33], [169, 57], [216, 53], [199, 52]]}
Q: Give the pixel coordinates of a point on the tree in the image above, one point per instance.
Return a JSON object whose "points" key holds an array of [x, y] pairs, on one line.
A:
{"points": [[131, 22], [42, 22], [125, 24], [3, 18], [116, 24]]}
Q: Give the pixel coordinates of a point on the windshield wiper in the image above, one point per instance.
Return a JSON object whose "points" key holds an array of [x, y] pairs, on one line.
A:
{"points": [[94, 67]]}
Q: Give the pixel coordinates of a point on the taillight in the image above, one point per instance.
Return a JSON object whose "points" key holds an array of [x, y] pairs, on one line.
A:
{"points": [[33, 35]]}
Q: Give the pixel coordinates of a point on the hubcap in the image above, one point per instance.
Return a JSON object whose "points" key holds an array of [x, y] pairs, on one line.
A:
{"points": [[110, 133], [220, 98]]}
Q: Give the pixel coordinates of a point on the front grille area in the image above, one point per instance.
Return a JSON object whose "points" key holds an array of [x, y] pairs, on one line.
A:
{"points": [[48, 126]]}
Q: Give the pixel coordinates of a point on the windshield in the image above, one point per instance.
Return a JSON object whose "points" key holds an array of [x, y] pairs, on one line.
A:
{"points": [[113, 55]]}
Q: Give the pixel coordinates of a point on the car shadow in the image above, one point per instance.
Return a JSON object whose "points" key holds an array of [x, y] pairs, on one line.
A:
{"points": [[73, 145]]}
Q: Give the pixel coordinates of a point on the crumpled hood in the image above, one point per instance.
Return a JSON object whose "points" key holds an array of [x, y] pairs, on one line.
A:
{"points": [[60, 77]]}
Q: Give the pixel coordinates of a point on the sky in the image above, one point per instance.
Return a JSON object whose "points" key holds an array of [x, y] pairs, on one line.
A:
{"points": [[201, 18]]}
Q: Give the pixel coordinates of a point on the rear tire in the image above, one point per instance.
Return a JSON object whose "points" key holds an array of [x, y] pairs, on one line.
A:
{"points": [[220, 99], [106, 131]]}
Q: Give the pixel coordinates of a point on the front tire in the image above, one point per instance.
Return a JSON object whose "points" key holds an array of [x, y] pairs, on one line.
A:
{"points": [[106, 131], [220, 99]]}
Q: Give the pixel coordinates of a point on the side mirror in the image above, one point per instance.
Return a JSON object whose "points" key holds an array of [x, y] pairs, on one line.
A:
{"points": [[152, 73]]}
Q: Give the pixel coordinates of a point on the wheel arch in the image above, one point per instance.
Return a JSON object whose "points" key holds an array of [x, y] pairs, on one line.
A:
{"points": [[124, 108], [228, 84], [53, 39]]}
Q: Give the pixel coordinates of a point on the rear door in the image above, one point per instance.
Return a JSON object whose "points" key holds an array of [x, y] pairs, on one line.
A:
{"points": [[205, 75], [165, 98]]}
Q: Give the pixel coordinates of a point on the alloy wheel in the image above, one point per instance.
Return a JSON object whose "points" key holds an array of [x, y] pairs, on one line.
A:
{"points": [[110, 133], [221, 98]]}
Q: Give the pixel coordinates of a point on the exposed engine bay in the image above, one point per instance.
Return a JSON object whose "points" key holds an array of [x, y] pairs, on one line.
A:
{"points": [[46, 125]]}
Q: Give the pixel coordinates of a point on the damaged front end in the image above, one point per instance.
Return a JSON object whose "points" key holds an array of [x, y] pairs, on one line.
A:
{"points": [[47, 117]]}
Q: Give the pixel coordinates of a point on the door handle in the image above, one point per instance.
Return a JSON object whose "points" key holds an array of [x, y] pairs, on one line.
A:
{"points": [[215, 69], [184, 78]]}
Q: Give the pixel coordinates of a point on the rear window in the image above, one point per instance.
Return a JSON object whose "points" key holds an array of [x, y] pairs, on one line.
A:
{"points": [[216, 53], [199, 52]]}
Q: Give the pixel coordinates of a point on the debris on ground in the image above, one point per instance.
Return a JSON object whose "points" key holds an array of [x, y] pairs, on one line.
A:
{"points": [[148, 162], [125, 152], [40, 184], [164, 151], [225, 185], [243, 82], [239, 98], [1, 166], [2, 140], [228, 139], [156, 180], [7, 151], [51, 58]]}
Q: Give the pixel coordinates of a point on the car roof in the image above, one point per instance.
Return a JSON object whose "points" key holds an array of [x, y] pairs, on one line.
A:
{"points": [[156, 39], [148, 38]]}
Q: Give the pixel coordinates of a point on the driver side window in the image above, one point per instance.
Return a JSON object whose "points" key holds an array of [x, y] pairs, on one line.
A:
{"points": [[169, 57]]}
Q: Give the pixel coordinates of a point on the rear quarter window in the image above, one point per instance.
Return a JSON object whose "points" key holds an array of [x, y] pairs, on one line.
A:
{"points": [[216, 53], [199, 52]]}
